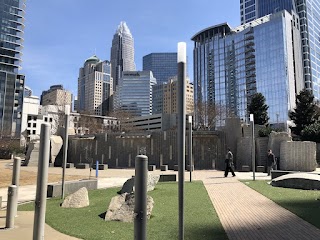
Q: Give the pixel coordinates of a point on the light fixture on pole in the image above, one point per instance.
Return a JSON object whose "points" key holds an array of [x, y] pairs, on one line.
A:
{"points": [[65, 148], [190, 146], [253, 156], [182, 60]]}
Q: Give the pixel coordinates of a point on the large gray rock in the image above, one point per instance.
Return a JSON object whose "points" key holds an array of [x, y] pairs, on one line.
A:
{"points": [[79, 199], [128, 186], [298, 156], [152, 181], [121, 208], [32, 154], [56, 143]]}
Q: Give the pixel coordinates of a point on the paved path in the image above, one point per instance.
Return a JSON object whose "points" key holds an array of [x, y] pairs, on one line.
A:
{"points": [[245, 214]]}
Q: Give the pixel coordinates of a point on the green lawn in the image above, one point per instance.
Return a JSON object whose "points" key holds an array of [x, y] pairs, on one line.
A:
{"points": [[303, 203], [201, 220]]}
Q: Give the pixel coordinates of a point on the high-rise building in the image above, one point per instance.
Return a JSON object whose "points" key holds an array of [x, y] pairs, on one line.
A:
{"points": [[122, 53], [309, 14], [56, 95], [134, 93], [95, 86], [253, 9], [165, 97], [11, 82], [230, 65], [162, 65]]}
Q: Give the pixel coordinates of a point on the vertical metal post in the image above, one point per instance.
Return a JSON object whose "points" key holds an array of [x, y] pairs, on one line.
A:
{"points": [[190, 146], [97, 168], [11, 206], [42, 179], [253, 148], [16, 178], [182, 59], [65, 149], [140, 196]]}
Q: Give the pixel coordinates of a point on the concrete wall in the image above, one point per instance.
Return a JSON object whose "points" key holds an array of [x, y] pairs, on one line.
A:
{"points": [[244, 146], [298, 156], [119, 150], [318, 153], [275, 139], [261, 151]]}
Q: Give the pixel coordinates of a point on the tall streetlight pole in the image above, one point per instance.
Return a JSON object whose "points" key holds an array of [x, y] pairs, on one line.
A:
{"points": [[253, 148], [182, 60], [65, 148]]}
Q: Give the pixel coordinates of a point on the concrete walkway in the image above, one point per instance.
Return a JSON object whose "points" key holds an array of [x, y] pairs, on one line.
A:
{"points": [[244, 213]]}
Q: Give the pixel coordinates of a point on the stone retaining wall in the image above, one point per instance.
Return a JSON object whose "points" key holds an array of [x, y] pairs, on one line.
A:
{"points": [[298, 156]]}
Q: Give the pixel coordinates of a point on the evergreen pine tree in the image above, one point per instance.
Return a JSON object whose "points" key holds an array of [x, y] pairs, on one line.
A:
{"points": [[305, 112], [259, 108]]}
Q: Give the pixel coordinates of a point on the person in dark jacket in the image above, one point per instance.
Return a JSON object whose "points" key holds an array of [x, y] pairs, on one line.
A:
{"points": [[271, 161], [229, 164]]}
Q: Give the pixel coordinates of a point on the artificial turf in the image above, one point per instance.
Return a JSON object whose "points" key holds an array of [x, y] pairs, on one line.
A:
{"points": [[200, 218]]}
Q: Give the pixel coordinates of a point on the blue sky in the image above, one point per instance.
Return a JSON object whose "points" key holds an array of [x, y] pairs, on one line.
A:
{"points": [[61, 34]]}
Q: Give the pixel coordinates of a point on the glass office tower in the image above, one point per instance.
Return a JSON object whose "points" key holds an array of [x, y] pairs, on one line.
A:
{"points": [[162, 65], [122, 53], [11, 82], [230, 65], [309, 14], [134, 93]]}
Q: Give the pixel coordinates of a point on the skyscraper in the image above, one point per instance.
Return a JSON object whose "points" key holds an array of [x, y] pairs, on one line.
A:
{"points": [[134, 93], [94, 86], [122, 53], [162, 65], [56, 95], [11, 82], [230, 65], [309, 14]]}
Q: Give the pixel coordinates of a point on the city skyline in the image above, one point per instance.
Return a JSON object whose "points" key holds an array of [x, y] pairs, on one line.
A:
{"points": [[58, 40]]}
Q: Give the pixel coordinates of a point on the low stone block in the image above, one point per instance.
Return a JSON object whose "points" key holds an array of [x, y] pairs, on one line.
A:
{"points": [[168, 178], [176, 168], [245, 168], [54, 190], [188, 168], [70, 165], [101, 166], [152, 167], [261, 169], [82, 166], [164, 167], [51, 164]]}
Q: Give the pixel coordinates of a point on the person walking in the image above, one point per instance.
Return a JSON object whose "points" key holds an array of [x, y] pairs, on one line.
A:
{"points": [[229, 164], [271, 161]]}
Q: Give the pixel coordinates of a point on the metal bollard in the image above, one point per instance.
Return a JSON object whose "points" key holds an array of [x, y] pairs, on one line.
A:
{"points": [[140, 196], [42, 180], [97, 168], [11, 206], [16, 178]]}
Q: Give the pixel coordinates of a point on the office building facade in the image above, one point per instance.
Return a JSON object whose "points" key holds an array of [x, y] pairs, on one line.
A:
{"points": [[56, 95], [230, 65], [95, 86], [122, 53], [309, 14], [134, 93], [162, 65], [11, 81]]}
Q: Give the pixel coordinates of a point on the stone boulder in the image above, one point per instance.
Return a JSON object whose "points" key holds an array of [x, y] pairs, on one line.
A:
{"points": [[121, 208], [56, 143], [275, 140], [79, 199], [128, 186]]}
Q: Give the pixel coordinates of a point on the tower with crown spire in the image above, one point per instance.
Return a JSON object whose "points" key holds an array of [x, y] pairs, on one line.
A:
{"points": [[122, 53]]}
